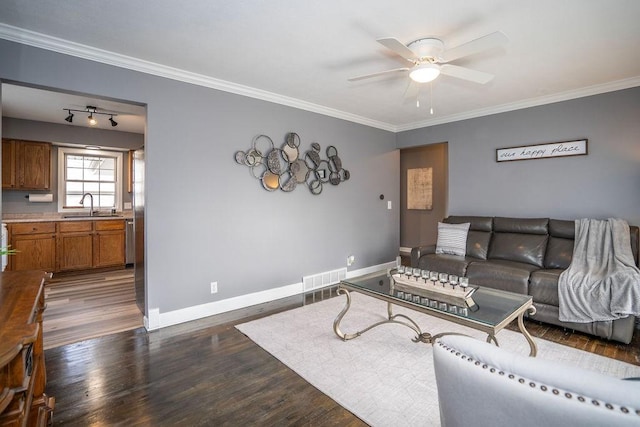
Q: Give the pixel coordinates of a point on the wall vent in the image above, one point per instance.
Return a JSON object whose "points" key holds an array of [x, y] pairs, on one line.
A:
{"points": [[322, 280]]}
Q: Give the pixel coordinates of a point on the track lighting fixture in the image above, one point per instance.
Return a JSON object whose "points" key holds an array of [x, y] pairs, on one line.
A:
{"points": [[92, 112]]}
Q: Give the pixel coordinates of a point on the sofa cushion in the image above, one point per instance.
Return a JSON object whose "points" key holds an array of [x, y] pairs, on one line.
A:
{"points": [[478, 244], [521, 225], [479, 234], [478, 223], [528, 248], [499, 274], [443, 263], [559, 253], [562, 228], [543, 286], [452, 238]]}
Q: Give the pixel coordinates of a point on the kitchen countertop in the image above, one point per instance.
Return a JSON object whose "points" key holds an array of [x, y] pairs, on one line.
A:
{"points": [[54, 216]]}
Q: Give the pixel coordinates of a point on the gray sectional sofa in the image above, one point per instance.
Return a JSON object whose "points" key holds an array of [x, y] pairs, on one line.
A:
{"points": [[526, 256]]}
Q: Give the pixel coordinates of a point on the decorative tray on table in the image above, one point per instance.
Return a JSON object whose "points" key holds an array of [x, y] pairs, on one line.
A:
{"points": [[434, 291]]}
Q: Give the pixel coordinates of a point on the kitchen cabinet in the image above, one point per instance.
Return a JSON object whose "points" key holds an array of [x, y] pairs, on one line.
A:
{"points": [[8, 164], [75, 245], [26, 165], [56, 246], [23, 401], [35, 243], [108, 243]]}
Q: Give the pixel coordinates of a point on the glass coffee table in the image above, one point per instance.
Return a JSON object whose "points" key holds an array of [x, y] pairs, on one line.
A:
{"points": [[490, 311]]}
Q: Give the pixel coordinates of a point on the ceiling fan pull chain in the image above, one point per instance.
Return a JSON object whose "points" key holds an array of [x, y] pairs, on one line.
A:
{"points": [[431, 97]]}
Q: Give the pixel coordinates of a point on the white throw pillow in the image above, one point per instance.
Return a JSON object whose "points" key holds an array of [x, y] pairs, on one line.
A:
{"points": [[452, 238]]}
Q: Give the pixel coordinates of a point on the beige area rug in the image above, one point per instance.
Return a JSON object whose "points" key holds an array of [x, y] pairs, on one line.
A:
{"points": [[382, 376]]}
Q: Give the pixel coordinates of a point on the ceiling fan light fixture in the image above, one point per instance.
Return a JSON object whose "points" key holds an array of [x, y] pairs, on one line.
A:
{"points": [[425, 73]]}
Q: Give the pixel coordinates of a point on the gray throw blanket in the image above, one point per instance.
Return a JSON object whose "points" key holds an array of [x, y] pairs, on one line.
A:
{"points": [[602, 283]]}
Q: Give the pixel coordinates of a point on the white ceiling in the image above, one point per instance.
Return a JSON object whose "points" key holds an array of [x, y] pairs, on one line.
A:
{"points": [[47, 106], [301, 53]]}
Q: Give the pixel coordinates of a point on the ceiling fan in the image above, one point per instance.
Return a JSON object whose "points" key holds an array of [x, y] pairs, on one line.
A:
{"points": [[430, 58]]}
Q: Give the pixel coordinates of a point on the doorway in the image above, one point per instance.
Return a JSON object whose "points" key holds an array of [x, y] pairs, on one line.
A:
{"points": [[50, 115], [419, 223]]}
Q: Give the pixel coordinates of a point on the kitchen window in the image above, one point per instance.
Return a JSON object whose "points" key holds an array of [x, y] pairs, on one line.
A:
{"points": [[83, 171]]}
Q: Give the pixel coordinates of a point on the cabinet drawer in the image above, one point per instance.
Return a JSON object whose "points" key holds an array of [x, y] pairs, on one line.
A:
{"points": [[74, 226], [105, 225], [33, 227]]}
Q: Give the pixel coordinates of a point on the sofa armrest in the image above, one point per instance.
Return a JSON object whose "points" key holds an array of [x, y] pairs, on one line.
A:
{"points": [[416, 253]]}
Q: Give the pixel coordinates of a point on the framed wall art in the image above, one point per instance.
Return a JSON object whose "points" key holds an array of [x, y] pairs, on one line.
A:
{"points": [[542, 151], [420, 188]]}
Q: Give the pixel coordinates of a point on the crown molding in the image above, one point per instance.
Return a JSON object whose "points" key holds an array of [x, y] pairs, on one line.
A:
{"points": [[43, 41], [55, 44], [526, 103]]}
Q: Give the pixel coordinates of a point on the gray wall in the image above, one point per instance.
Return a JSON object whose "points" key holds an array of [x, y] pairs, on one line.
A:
{"points": [[605, 183], [207, 219], [14, 201]]}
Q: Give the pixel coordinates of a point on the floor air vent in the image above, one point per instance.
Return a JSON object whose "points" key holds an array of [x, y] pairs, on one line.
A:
{"points": [[322, 280]]}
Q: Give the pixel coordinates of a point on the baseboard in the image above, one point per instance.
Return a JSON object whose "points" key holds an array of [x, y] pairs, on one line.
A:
{"points": [[157, 320], [369, 270]]}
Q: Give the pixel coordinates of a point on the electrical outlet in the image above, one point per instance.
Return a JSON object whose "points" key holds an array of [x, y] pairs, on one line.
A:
{"points": [[214, 287]]}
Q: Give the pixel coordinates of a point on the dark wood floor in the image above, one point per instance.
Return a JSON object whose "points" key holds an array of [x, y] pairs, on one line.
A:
{"points": [[196, 374], [207, 373]]}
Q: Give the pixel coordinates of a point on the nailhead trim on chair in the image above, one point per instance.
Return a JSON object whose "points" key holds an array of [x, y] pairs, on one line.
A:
{"points": [[543, 388]]}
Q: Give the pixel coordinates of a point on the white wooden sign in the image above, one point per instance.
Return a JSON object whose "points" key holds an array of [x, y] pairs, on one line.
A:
{"points": [[541, 151]]}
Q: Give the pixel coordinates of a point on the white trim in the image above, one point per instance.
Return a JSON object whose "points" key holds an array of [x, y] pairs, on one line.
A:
{"points": [[405, 250], [55, 44], [372, 269], [159, 320], [153, 321], [195, 312], [63, 151], [526, 103]]}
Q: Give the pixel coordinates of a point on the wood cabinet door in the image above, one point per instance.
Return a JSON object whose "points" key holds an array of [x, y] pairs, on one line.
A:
{"points": [[35, 252], [33, 160], [8, 164], [108, 248], [75, 251]]}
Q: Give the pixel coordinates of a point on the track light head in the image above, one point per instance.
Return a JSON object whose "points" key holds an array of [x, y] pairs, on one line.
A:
{"points": [[91, 118]]}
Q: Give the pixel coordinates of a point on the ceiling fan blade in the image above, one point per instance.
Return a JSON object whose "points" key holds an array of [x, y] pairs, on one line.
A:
{"points": [[466, 73], [412, 91], [489, 41], [380, 73], [398, 47]]}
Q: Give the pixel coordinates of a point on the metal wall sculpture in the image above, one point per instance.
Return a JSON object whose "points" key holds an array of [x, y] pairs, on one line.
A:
{"points": [[285, 168]]}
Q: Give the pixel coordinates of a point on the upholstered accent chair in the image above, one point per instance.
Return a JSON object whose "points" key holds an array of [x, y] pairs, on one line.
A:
{"points": [[480, 384]]}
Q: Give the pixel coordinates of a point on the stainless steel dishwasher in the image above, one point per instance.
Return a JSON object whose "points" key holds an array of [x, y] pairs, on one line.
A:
{"points": [[130, 254]]}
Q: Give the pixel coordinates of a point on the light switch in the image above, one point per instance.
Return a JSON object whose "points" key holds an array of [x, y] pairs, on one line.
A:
{"points": [[388, 204]]}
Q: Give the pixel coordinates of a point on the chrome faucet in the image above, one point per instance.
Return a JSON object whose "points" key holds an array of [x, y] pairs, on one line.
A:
{"points": [[82, 202]]}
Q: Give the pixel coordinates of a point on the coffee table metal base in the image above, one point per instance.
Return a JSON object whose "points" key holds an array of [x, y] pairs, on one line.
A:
{"points": [[421, 336]]}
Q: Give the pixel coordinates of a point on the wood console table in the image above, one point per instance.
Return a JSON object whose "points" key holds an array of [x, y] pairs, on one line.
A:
{"points": [[23, 401]]}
